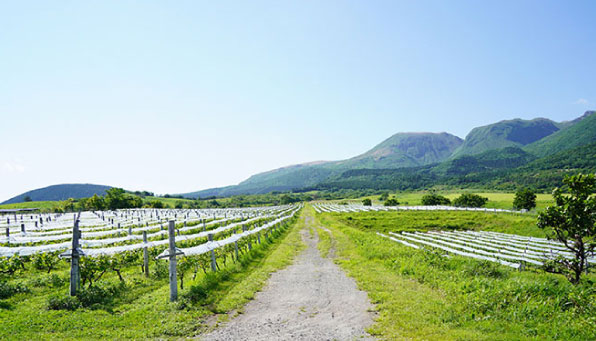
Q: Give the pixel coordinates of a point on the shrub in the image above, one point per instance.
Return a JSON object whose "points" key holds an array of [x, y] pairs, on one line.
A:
{"points": [[470, 200], [391, 202], [46, 261], [8, 290], [367, 202], [572, 221], [63, 303], [435, 200], [524, 199]]}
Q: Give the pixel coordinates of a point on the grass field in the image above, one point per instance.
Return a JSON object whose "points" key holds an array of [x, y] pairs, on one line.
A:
{"points": [[139, 309], [42, 205], [495, 199], [422, 295]]}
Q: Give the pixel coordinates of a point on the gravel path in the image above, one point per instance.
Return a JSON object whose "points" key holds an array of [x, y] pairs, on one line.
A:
{"points": [[310, 300]]}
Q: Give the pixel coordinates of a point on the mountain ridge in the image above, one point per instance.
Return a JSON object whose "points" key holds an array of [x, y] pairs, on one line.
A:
{"points": [[524, 136], [60, 192]]}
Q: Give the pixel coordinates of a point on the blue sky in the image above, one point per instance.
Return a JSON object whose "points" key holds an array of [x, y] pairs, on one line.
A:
{"points": [[179, 96]]}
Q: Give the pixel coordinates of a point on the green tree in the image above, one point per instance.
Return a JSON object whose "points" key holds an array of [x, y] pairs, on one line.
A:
{"points": [[572, 221], [470, 200], [154, 204], [27, 198], [384, 196], [95, 203], [391, 202], [115, 198], [46, 261], [367, 202], [524, 199], [434, 200]]}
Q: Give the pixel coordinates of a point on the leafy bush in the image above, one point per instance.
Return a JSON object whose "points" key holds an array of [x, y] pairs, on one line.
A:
{"points": [[391, 202], [524, 199], [63, 303], [161, 270], [51, 281], [99, 294], [367, 202], [46, 261], [96, 296], [8, 290], [470, 200], [572, 221], [435, 200]]}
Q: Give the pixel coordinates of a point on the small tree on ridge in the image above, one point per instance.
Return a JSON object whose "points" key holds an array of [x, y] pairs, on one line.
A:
{"points": [[572, 221]]}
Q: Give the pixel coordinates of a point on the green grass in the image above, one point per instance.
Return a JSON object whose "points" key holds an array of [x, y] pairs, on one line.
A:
{"points": [[501, 200], [422, 295], [141, 310], [42, 205], [397, 221]]}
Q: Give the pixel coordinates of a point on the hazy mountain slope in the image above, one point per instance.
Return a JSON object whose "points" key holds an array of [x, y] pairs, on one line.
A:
{"points": [[405, 150], [508, 169], [486, 151], [400, 150], [285, 179], [581, 132], [509, 157], [511, 133], [61, 192]]}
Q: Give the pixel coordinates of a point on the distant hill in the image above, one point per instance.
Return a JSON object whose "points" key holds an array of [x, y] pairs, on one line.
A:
{"points": [[507, 169], [405, 150], [581, 132], [511, 133], [60, 192], [419, 160], [398, 151]]}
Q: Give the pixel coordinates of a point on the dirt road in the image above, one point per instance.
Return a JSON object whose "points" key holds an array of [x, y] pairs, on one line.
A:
{"points": [[312, 299]]}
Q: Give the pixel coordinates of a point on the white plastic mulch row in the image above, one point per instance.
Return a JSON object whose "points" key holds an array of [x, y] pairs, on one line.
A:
{"points": [[326, 207], [502, 248], [28, 250], [145, 224], [206, 247]]}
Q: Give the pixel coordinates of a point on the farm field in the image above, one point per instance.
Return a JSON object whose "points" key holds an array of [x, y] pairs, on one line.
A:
{"points": [[420, 294], [125, 303], [501, 200], [416, 293]]}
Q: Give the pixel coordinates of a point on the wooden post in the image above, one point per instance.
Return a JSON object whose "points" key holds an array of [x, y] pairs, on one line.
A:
{"points": [[75, 275], [23, 228], [213, 264], [236, 249], [130, 230], [145, 255], [204, 227], [259, 237], [173, 278]]}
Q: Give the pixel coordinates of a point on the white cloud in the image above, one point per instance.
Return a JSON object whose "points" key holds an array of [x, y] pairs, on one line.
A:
{"points": [[582, 101], [13, 167]]}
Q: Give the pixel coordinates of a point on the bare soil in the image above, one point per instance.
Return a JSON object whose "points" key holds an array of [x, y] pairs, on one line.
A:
{"points": [[312, 299]]}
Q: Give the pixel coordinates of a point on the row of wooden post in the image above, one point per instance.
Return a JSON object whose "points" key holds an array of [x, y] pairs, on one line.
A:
{"points": [[75, 253]]}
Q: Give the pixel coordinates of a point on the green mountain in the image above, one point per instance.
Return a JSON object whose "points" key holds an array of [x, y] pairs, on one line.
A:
{"points": [[417, 160], [511, 133], [60, 192], [507, 169], [405, 150], [581, 132], [398, 151]]}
